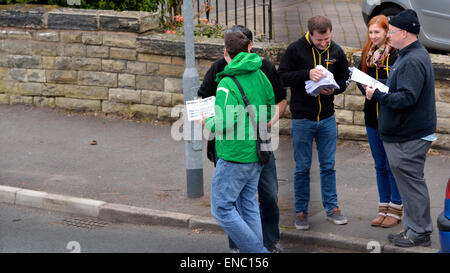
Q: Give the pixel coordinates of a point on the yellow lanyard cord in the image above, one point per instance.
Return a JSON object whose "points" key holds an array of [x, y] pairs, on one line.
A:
{"points": [[387, 73], [320, 62], [376, 77], [387, 65]]}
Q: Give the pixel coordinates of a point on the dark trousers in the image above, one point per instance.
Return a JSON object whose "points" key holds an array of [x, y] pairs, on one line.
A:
{"points": [[407, 161]]}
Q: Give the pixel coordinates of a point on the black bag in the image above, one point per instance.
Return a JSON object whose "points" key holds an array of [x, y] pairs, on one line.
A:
{"points": [[211, 150], [263, 140], [263, 146]]}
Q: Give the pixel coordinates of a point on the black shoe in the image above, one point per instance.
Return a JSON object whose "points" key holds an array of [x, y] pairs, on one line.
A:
{"points": [[392, 236], [276, 248], [405, 241]]}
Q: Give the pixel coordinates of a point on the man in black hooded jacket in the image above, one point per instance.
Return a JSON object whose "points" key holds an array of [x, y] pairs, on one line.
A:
{"points": [[313, 117], [268, 182]]}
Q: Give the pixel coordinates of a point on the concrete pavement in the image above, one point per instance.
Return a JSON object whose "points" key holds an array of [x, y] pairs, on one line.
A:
{"points": [[136, 174]]}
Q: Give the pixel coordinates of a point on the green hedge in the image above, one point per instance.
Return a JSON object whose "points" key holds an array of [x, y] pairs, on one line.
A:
{"points": [[118, 5]]}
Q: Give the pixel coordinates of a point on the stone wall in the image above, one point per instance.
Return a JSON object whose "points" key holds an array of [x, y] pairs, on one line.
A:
{"points": [[109, 66]]}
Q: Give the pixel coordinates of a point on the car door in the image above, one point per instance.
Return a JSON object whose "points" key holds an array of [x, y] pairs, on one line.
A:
{"points": [[434, 17]]}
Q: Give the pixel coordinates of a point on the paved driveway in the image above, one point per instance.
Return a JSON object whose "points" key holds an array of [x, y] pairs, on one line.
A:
{"points": [[290, 18]]}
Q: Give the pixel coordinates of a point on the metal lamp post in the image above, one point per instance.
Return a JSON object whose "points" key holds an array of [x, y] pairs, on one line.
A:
{"points": [[192, 130]]}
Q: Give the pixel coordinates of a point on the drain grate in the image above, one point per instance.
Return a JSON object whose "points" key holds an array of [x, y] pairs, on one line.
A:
{"points": [[84, 223]]}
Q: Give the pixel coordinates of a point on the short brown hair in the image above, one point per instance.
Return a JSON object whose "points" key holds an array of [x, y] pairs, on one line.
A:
{"points": [[319, 23], [235, 43]]}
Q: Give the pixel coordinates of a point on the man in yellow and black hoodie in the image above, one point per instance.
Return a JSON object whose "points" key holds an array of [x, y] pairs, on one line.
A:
{"points": [[313, 117]]}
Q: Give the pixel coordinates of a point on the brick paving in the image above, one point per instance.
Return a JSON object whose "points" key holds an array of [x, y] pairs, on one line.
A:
{"points": [[290, 18]]}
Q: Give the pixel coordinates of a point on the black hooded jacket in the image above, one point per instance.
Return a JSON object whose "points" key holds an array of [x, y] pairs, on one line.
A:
{"points": [[294, 69], [209, 85]]}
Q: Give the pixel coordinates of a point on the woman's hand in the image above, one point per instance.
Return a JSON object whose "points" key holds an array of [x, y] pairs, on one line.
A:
{"points": [[369, 91]]}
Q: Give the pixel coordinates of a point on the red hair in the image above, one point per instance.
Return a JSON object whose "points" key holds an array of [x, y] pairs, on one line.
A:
{"points": [[383, 22]]}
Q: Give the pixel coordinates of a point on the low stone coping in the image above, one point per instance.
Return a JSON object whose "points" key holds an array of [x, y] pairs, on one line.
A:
{"points": [[205, 48], [212, 49], [49, 17]]}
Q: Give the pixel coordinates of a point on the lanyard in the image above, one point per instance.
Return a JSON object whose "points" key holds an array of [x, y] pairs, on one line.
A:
{"points": [[376, 77], [320, 62]]}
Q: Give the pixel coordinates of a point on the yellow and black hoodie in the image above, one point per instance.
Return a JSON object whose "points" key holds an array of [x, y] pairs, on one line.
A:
{"points": [[300, 57]]}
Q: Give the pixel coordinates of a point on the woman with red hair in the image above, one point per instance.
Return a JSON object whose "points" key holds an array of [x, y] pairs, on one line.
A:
{"points": [[377, 59]]}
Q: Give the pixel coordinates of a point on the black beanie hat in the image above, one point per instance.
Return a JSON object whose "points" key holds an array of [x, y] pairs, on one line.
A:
{"points": [[406, 20]]}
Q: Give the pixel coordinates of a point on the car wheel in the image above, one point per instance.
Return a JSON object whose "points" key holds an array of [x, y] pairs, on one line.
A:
{"points": [[390, 11]]}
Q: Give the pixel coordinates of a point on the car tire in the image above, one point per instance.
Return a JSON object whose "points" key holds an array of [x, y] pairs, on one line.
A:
{"points": [[390, 11]]}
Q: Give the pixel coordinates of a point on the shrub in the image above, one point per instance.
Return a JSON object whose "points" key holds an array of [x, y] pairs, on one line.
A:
{"points": [[118, 5]]}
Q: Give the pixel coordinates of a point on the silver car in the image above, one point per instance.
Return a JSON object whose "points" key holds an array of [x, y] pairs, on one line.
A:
{"points": [[434, 18]]}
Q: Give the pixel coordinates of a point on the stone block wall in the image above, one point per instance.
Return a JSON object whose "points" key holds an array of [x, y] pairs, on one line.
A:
{"points": [[86, 71], [117, 70]]}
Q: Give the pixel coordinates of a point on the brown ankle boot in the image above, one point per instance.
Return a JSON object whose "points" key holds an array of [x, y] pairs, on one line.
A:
{"points": [[393, 216], [382, 210]]}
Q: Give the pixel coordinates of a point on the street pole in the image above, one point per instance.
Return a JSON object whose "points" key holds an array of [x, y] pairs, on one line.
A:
{"points": [[192, 130]]}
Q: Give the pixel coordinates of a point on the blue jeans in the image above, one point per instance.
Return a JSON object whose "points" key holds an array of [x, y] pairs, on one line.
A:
{"points": [[235, 183], [324, 132], [387, 187], [268, 204]]}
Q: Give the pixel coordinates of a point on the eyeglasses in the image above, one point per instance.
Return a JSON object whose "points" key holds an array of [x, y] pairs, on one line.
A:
{"points": [[392, 32]]}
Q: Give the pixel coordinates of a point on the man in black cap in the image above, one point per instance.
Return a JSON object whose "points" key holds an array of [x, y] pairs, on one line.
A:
{"points": [[407, 125]]}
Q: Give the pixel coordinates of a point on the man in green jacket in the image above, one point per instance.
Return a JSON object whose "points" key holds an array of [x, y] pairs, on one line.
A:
{"points": [[235, 179]]}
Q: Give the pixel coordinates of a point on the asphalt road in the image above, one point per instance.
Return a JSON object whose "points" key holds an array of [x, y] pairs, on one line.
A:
{"points": [[29, 230]]}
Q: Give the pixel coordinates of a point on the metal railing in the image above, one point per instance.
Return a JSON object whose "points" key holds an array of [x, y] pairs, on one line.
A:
{"points": [[260, 10]]}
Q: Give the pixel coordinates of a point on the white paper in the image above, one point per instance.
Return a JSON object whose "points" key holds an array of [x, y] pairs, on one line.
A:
{"points": [[362, 78], [383, 88], [195, 108], [313, 88]]}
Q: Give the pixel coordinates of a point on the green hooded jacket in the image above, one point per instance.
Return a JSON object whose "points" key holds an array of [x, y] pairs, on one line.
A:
{"points": [[235, 135]]}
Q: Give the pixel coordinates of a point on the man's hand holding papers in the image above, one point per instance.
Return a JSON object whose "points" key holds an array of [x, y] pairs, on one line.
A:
{"points": [[316, 74], [327, 91], [320, 85]]}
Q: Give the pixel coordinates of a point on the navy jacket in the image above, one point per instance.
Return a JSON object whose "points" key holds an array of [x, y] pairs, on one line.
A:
{"points": [[408, 111]]}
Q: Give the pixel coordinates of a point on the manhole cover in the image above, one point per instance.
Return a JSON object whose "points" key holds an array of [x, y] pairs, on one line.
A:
{"points": [[84, 223]]}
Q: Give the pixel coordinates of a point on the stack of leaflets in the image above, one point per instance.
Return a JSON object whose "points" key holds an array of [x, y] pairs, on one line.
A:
{"points": [[313, 88]]}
